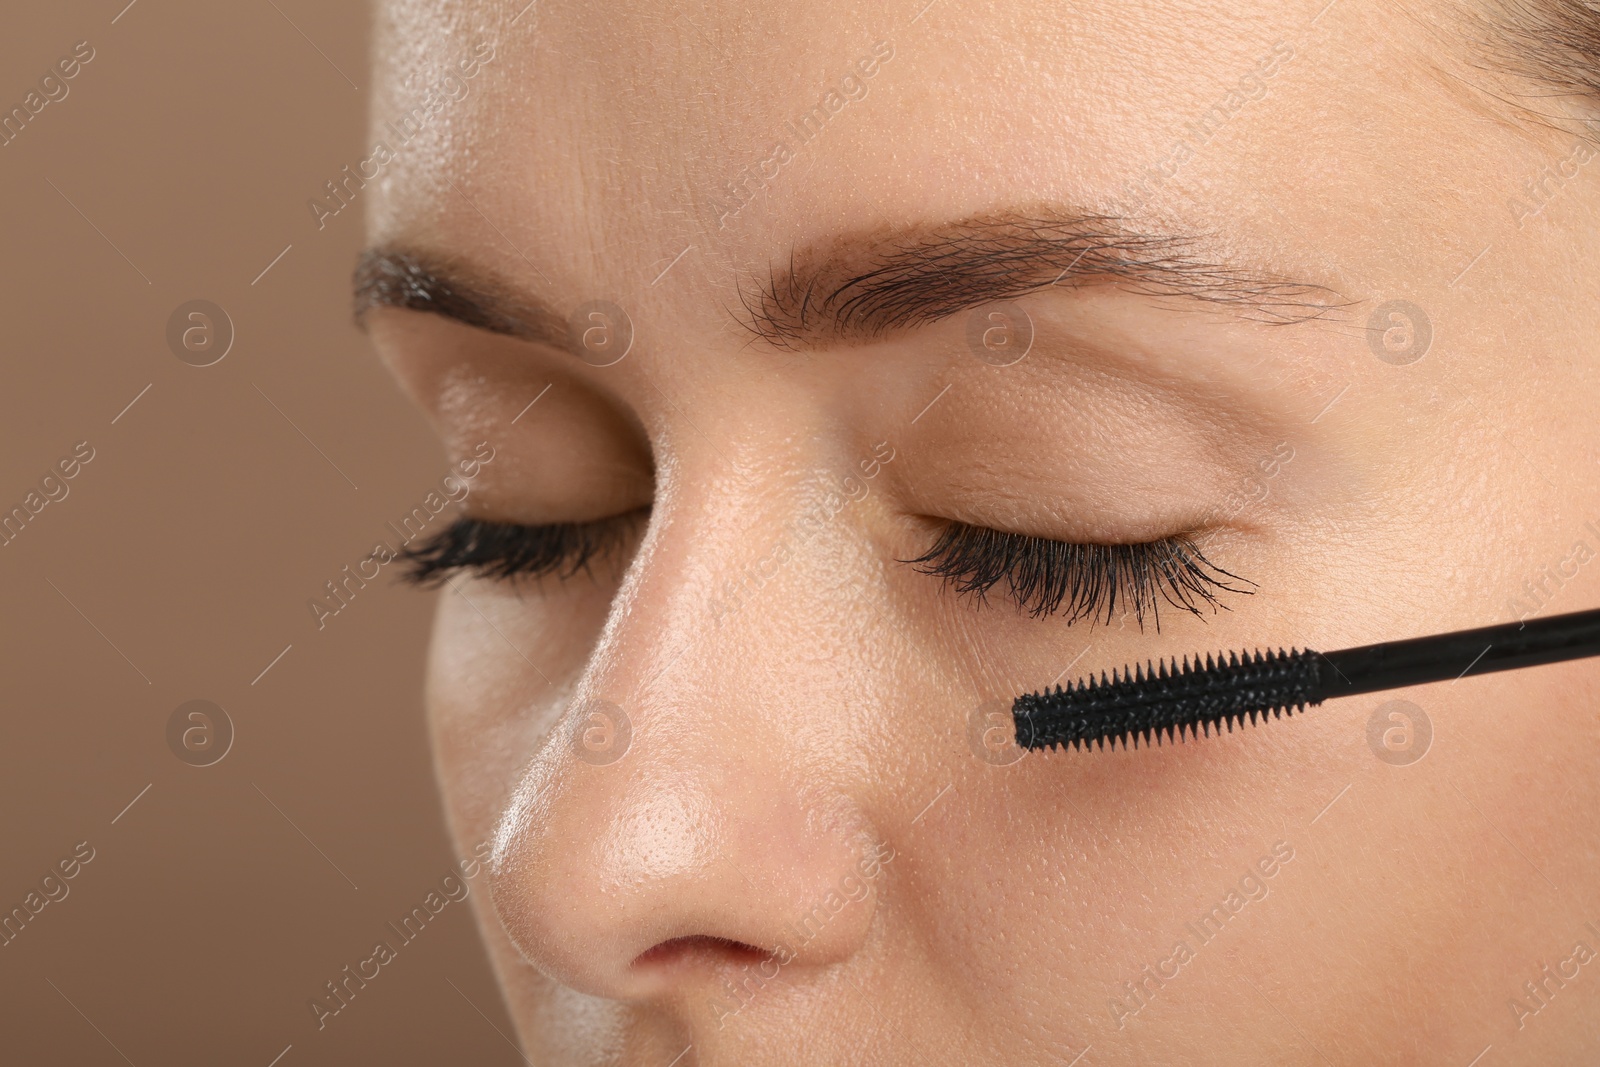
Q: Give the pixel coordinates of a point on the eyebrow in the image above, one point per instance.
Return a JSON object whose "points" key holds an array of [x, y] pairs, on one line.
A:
{"points": [[862, 287], [398, 278]]}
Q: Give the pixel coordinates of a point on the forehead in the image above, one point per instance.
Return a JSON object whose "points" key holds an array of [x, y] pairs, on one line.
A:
{"points": [[596, 145]]}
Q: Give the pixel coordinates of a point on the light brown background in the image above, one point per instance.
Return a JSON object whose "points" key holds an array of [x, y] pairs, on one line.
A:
{"points": [[190, 545]]}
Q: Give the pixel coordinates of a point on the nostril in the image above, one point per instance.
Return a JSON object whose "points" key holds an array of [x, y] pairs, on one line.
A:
{"points": [[698, 949]]}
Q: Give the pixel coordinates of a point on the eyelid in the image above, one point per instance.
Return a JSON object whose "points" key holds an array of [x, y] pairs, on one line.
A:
{"points": [[1078, 580], [504, 551]]}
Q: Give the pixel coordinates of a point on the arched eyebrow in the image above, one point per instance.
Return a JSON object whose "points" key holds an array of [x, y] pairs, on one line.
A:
{"points": [[864, 287], [861, 287]]}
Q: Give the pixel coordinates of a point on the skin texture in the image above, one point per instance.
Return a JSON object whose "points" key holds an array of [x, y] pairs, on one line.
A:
{"points": [[801, 706]]}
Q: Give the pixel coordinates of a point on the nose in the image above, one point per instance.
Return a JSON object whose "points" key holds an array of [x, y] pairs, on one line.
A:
{"points": [[692, 813]]}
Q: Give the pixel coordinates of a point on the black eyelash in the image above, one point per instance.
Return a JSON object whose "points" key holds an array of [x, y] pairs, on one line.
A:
{"points": [[504, 550], [1079, 581]]}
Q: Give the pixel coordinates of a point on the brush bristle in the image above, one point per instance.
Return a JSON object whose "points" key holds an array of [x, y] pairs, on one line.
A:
{"points": [[1172, 701]]}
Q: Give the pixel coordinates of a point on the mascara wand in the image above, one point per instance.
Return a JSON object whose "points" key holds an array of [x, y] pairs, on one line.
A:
{"points": [[1174, 701]]}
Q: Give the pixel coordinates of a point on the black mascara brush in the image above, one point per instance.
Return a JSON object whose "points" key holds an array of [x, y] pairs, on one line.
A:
{"points": [[1173, 701]]}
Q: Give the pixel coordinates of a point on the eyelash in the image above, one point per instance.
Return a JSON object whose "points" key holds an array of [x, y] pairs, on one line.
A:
{"points": [[1079, 581], [1043, 577], [507, 550]]}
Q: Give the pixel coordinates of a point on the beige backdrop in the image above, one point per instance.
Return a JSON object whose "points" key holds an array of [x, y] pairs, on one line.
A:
{"points": [[179, 562]]}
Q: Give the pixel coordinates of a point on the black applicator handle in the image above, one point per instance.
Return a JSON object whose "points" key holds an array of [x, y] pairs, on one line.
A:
{"points": [[1444, 657]]}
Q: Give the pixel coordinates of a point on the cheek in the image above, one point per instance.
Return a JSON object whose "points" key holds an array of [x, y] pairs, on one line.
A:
{"points": [[1476, 834], [1522, 747], [499, 671], [489, 713]]}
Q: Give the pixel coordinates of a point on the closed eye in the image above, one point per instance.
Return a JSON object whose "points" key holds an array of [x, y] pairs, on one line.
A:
{"points": [[508, 550], [1079, 581], [1044, 577]]}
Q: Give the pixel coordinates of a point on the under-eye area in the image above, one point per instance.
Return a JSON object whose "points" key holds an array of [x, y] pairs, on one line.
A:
{"points": [[1080, 581]]}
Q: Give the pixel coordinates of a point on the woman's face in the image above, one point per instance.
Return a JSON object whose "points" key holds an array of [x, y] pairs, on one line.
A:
{"points": [[812, 283]]}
